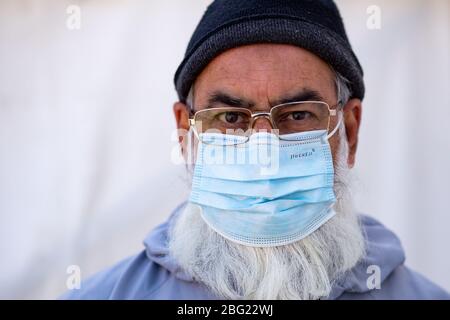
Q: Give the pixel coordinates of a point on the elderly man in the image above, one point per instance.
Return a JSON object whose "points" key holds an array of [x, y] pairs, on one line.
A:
{"points": [[270, 103]]}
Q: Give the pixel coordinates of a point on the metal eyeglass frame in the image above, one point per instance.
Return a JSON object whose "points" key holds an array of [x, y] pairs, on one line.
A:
{"points": [[332, 111]]}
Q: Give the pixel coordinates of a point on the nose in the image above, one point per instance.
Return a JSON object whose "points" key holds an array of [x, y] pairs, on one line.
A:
{"points": [[262, 124]]}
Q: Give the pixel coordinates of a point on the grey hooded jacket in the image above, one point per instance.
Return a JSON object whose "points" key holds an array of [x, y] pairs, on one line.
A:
{"points": [[154, 274]]}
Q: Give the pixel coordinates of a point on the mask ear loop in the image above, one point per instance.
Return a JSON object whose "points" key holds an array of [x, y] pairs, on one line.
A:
{"points": [[190, 154], [192, 136], [337, 126], [194, 133]]}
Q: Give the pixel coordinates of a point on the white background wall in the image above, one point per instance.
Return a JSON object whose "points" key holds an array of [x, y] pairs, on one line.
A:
{"points": [[86, 123]]}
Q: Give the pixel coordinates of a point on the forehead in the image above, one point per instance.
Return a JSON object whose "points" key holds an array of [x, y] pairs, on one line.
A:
{"points": [[266, 72]]}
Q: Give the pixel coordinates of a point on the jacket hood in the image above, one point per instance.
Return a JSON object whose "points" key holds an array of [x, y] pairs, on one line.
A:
{"points": [[383, 249]]}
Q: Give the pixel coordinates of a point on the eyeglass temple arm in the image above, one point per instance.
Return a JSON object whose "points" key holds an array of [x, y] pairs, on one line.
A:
{"points": [[334, 113]]}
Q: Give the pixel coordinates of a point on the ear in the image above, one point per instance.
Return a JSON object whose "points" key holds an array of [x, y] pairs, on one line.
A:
{"points": [[181, 113], [352, 121]]}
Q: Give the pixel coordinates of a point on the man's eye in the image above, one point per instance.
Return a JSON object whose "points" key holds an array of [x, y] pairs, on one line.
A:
{"points": [[299, 115], [231, 117]]}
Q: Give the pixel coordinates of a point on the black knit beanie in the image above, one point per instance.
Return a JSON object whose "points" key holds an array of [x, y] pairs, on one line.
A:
{"points": [[314, 25]]}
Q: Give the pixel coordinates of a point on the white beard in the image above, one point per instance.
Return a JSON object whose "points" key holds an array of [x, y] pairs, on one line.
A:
{"points": [[306, 269]]}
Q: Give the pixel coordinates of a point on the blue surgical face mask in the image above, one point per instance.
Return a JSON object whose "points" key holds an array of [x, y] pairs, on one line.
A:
{"points": [[266, 191]]}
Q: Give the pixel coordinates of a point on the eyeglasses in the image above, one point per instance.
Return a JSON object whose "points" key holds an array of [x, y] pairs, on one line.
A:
{"points": [[286, 118]]}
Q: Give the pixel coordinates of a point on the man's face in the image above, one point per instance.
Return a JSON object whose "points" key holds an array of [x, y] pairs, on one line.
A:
{"points": [[258, 77], [263, 75]]}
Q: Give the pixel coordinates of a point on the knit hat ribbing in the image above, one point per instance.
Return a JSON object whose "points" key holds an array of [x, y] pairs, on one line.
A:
{"points": [[314, 25]]}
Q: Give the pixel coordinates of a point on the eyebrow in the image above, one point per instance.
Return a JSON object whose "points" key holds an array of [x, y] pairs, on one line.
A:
{"points": [[305, 94], [221, 97]]}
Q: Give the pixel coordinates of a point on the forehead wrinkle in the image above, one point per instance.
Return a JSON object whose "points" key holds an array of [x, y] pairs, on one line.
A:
{"points": [[252, 88], [265, 75]]}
